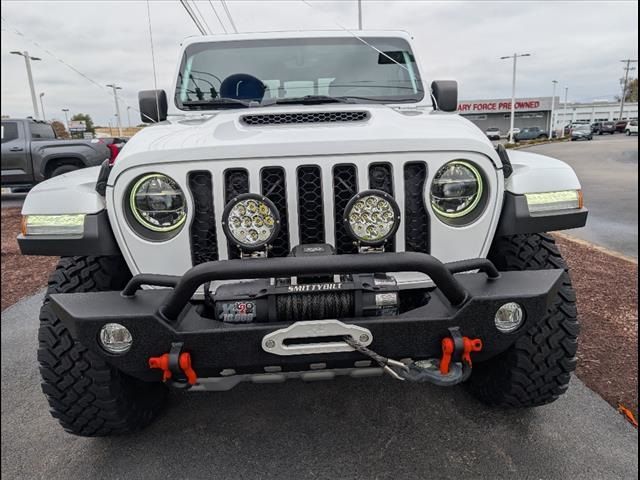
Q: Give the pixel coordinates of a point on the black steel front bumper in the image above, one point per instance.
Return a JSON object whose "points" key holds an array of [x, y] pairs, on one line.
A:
{"points": [[158, 317]]}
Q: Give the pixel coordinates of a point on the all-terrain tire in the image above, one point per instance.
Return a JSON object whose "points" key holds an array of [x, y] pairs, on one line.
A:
{"points": [[87, 396], [536, 370]]}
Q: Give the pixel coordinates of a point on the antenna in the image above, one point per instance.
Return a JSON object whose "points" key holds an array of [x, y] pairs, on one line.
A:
{"points": [[153, 61]]}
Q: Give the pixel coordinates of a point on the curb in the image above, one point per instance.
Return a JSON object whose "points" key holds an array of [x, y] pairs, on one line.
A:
{"points": [[604, 250]]}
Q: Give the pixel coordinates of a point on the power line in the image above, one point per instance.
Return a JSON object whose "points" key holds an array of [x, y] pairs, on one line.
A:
{"points": [[195, 4], [226, 9], [193, 17], [218, 17], [69, 66]]}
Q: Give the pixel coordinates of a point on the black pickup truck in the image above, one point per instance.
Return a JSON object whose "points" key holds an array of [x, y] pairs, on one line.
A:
{"points": [[31, 152]]}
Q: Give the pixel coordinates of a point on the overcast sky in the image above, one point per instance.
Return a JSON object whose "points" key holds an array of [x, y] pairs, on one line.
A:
{"points": [[580, 44]]}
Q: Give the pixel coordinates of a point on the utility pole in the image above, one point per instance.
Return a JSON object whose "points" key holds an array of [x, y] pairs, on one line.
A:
{"points": [[564, 113], [44, 117], [553, 104], [27, 62], [628, 61], [359, 14], [513, 90], [115, 98], [128, 117], [66, 118]]}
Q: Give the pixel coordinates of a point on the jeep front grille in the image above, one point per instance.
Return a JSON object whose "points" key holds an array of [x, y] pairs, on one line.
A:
{"points": [[311, 200], [306, 117]]}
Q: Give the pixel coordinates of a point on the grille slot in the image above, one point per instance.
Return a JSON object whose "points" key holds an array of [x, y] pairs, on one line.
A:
{"points": [[204, 243], [381, 178], [310, 205], [274, 188], [236, 182], [311, 117], [345, 186], [416, 217]]}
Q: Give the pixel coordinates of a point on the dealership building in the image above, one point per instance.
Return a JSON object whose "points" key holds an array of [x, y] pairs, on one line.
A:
{"points": [[536, 112]]}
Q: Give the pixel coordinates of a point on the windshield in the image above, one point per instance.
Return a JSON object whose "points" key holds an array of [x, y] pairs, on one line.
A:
{"points": [[583, 128], [263, 72]]}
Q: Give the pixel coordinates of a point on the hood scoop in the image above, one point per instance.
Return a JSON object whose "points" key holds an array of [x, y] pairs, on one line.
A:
{"points": [[304, 117]]}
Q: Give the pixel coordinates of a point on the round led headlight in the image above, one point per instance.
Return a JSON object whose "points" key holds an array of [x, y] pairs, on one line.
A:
{"points": [[456, 189], [157, 203], [372, 217], [251, 221]]}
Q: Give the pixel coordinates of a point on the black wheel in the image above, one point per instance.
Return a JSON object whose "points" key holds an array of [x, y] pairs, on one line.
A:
{"points": [[628, 132], [87, 396], [536, 370], [63, 169]]}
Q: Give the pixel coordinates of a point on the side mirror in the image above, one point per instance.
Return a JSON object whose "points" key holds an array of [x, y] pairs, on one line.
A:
{"points": [[153, 105], [445, 95]]}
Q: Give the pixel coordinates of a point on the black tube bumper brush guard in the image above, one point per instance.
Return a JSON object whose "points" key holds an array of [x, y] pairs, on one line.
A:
{"points": [[160, 318]]}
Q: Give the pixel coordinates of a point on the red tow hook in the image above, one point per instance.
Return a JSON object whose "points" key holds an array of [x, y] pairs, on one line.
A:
{"points": [[183, 367], [448, 349]]}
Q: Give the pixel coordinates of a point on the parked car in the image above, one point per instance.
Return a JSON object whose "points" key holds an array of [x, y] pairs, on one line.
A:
{"points": [[515, 132], [581, 132], [493, 133], [31, 153], [531, 133], [631, 128], [288, 249], [621, 125], [599, 128]]}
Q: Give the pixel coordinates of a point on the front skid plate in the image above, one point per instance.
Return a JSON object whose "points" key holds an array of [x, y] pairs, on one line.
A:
{"points": [[215, 346]]}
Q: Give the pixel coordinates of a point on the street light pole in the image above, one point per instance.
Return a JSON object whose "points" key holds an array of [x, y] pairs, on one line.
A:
{"points": [[27, 61], [513, 90], [128, 117], [624, 87], [359, 14], [564, 113], [44, 117], [115, 97], [553, 104], [66, 118]]}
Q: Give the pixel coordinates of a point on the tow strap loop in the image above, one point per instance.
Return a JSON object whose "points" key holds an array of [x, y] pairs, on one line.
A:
{"points": [[176, 366]]}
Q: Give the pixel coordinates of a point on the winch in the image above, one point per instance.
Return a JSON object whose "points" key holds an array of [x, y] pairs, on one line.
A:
{"points": [[288, 300]]}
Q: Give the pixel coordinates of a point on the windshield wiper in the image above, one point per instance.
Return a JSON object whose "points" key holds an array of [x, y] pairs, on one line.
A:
{"points": [[307, 100], [219, 102]]}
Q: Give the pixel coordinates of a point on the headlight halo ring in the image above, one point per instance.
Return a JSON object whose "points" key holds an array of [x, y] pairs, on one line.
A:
{"points": [[470, 209], [141, 221], [260, 199], [364, 195]]}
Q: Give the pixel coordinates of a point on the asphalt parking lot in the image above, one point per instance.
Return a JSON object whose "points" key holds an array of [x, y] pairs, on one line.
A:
{"points": [[352, 429], [607, 168]]}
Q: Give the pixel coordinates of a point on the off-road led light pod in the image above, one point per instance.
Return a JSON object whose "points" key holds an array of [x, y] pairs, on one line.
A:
{"points": [[157, 203], [251, 221], [550, 201], [371, 217], [115, 338], [53, 224], [509, 317], [456, 189]]}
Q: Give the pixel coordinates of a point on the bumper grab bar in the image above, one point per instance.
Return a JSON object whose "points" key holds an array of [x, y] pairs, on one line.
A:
{"points": [[186, 285]]}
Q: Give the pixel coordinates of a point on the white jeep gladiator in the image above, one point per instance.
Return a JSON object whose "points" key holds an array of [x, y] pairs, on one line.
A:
{"points": [[307, 208]]}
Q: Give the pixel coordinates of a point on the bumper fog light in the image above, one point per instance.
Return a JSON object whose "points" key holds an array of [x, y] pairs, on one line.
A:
{"points": [[509, 317], [115, 338]]}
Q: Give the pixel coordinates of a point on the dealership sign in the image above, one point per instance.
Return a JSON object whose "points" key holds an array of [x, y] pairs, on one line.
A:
{"points": [[504, 105]]}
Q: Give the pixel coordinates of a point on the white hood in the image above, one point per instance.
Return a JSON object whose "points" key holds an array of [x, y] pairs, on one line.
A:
{"points": [[223, 136]]}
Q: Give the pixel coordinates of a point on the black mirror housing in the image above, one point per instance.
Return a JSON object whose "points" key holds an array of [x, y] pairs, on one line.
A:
{"points": [[153, 105], [445, 95]]}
